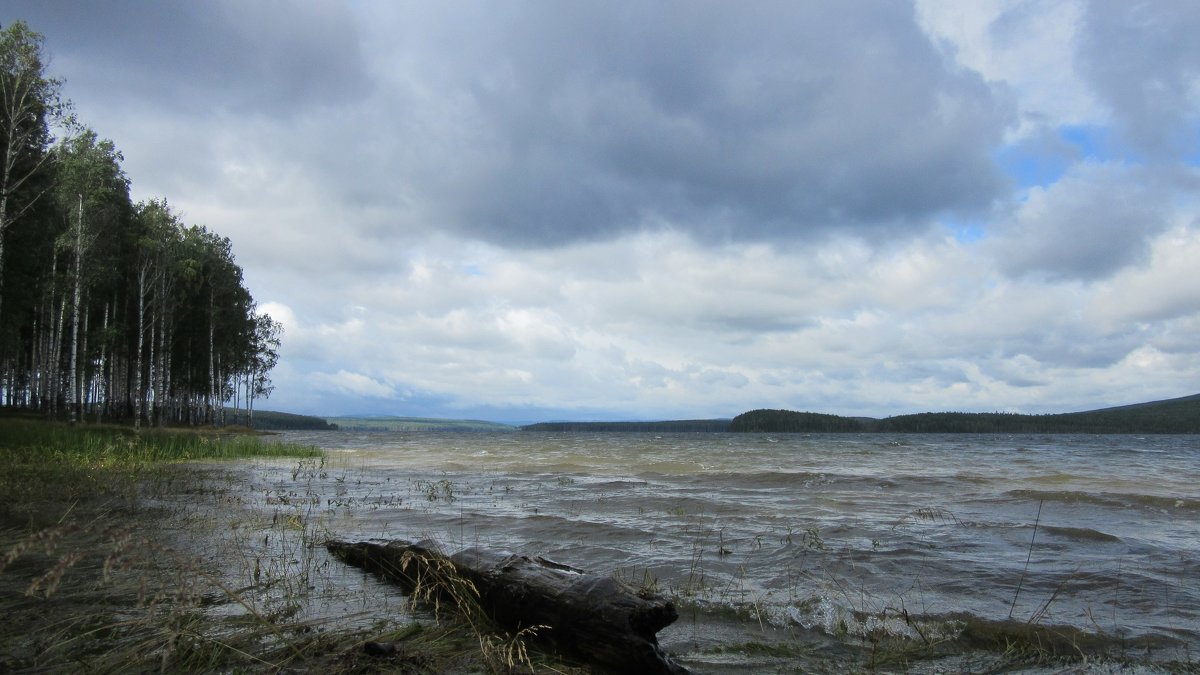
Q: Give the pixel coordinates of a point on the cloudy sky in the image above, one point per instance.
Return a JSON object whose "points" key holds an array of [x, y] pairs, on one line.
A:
{"points": [[645, 210]]}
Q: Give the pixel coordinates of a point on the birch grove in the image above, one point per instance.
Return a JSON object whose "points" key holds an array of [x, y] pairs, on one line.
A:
{"points": [[109, 310]]}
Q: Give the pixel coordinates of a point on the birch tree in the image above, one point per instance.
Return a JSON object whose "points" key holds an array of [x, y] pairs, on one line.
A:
{"points": [[268, 335], [158, 227], [28, 102], [124, 303], [92, 190]]}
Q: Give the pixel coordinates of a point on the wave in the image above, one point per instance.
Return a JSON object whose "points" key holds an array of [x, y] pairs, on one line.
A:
{"points": [[833, 617], [1080, 533], [1116, 500]]}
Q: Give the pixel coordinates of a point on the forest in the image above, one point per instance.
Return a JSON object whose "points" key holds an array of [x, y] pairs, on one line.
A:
{"points": [[1172, 416], [110, 310]]}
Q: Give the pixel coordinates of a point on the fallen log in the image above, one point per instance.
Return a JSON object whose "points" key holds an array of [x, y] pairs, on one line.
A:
{"points": [[590, 616]]}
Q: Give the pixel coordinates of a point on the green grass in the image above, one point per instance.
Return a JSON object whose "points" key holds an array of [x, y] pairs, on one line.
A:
{"points": [[31, 441]]}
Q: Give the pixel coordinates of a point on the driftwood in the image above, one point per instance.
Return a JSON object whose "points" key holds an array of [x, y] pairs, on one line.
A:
{"points": [[593, 617]]}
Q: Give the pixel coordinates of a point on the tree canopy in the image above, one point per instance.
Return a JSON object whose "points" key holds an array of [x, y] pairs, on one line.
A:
{"points": [[109, 309]]}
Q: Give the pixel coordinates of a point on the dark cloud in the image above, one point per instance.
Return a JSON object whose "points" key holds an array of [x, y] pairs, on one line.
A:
{"points": [[772, 119], [540, 124], [257, 57], [1143, 61]]}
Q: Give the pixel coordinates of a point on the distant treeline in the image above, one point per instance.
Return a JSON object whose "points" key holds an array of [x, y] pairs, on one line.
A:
{"points": [[269, 420], [416, 424], [1174, 416], [787, 421], [671, 426]]}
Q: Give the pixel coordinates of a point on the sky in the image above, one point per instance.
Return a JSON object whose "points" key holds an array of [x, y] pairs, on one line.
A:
{"points": [[529, 211]]}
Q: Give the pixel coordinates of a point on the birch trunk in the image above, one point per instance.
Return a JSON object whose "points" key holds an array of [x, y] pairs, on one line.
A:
{"points": [[85, 380], [151, 394], [143, 272], [57, 398], [73, 375], [212, 374], [102, 395]]}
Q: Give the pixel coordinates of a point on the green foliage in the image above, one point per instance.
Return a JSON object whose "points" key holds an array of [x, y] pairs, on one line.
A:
{"points": [[37, 442], [1173, 416], [29, 104], [111, 310], [786, 421]]}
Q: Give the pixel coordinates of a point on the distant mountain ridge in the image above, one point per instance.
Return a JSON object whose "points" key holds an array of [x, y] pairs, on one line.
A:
{"points": [[666, 426], [389, 423], [1169, 416]]}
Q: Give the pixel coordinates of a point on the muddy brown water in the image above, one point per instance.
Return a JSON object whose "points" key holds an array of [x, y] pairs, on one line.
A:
{"points": [[815, 551]]}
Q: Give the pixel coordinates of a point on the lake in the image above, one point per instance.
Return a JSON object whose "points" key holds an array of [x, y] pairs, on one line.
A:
{"points": [[842, 543]]}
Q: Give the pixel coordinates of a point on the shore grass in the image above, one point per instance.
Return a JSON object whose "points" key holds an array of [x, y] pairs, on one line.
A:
{"points": [[24, 440], [118, 556]]}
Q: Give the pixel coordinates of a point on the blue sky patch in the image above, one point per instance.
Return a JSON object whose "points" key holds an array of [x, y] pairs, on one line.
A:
{"points": [[1041, 160], [966, 233], [1094, 142]]}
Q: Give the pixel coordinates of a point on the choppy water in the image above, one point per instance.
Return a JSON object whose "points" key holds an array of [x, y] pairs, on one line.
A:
{"points": [[836, 537]]}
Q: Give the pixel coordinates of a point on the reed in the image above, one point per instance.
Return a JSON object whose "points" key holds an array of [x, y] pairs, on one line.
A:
{"points": [[38, 441]]}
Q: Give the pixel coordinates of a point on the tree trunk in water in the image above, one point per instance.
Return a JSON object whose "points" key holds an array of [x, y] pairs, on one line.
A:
{"points": [[592, 616]]}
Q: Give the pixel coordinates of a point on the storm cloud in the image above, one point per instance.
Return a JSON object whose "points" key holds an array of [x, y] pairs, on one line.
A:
{"points": [[778, 120]]}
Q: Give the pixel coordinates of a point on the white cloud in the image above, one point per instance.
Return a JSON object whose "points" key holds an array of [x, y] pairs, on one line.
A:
{"points": [[673, 210], [355, 384], [1028, 45], [703, 331]]}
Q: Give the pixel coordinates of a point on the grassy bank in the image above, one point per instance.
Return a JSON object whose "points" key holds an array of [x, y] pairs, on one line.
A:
{"points": [[85, 580], [45, 466], [119, 553]]}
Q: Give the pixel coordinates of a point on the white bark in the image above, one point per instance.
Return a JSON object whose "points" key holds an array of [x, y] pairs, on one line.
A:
{"points": [[143, 273], [72, 376]]}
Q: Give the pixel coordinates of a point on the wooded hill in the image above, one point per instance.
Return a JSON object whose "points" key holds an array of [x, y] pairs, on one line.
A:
{"points": [[1172, 416], [109, 309], [270, 420]]}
